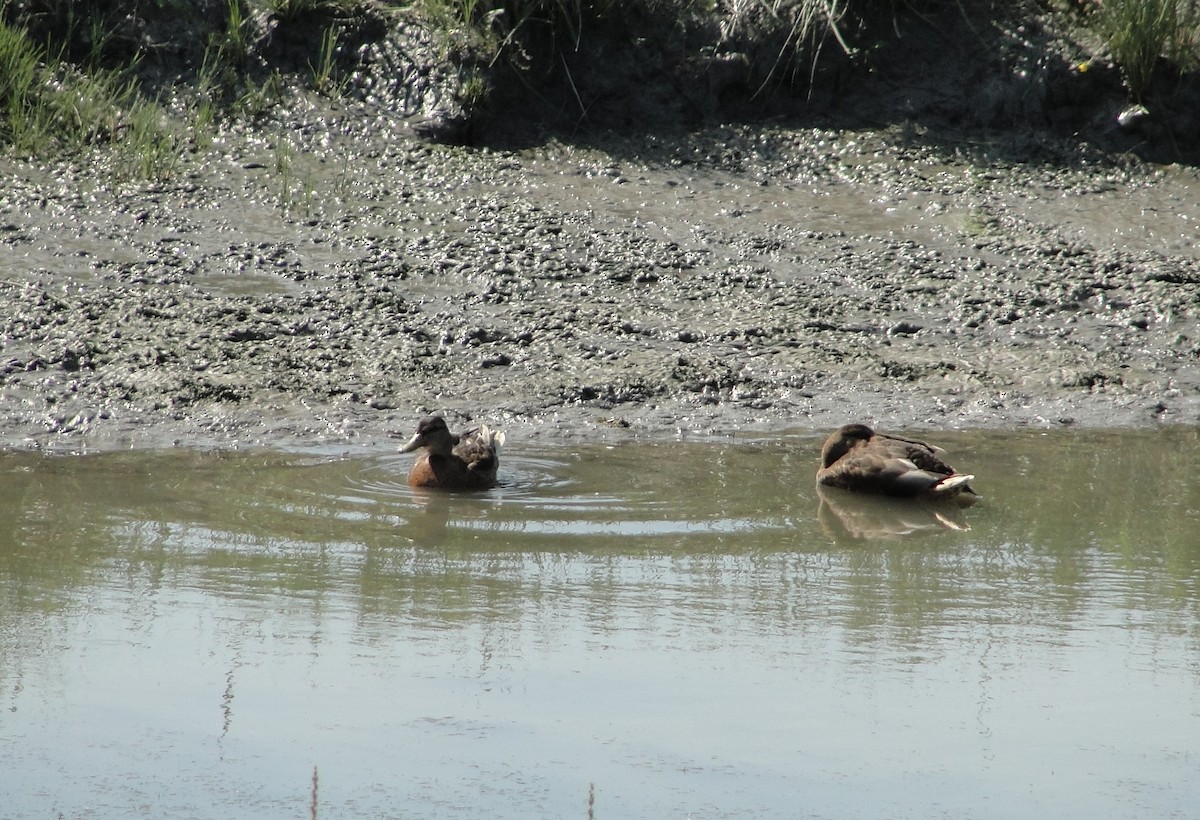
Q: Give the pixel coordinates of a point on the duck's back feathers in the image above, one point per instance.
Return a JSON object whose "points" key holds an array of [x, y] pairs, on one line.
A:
{"points": [[483, 437], [480, 451]]}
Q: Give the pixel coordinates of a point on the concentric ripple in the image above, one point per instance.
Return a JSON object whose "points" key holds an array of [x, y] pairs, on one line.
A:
{"points": [[643, 491]]}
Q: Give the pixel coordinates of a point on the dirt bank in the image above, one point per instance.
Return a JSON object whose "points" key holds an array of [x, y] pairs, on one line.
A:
{"points": [[324, 276], [332, 282]]}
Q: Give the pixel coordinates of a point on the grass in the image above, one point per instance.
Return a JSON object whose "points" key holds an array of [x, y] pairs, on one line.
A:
{"points": [[801, 28], [52, 105], [324, 71], [225, 87], [1143, 33], [502, 29], [807, 27], [222, 73], [21, 86], [294, 194], [48, 107], [233, 45], [151, 150], [295, 9], [59, 92]]}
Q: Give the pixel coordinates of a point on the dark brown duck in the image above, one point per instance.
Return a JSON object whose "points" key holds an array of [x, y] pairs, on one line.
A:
{"points": [[467, 461], [857, 458]]}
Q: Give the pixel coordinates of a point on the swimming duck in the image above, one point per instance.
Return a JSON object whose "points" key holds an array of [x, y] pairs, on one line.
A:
{"points": [[467, 461], [857, 458]]}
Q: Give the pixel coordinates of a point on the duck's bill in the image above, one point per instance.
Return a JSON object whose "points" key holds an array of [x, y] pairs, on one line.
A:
{"points": [[413, 444]]}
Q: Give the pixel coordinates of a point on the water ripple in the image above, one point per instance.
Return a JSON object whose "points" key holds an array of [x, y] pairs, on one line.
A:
{"points": [[549, 494]]}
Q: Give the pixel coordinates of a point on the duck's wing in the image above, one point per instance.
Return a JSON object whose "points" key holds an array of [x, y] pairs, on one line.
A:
{"points": [[948, 484], [955, 488], [869, 470], [905, 477], [923, 455], [479, 448], [866, 470], [494, 438]]}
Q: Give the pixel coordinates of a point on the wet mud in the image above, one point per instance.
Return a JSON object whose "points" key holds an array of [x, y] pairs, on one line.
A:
{"points": [[328, 278]]}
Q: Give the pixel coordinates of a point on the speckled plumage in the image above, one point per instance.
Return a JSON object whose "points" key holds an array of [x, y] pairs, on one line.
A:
{"points": [[857, 458], [467, 461]]}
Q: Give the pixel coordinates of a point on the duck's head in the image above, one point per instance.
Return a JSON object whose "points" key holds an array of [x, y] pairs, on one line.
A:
{"points": [[842, 440], [433, 433]]}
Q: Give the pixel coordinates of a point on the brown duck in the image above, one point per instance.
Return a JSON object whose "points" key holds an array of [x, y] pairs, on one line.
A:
{"points": [[467, 461], [857, 458]]}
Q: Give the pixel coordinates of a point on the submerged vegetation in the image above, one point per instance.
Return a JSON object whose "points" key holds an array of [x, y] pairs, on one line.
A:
{"points": [[150, 81]]}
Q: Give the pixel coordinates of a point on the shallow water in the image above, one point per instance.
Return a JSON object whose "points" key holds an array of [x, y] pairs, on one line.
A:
{"points": [[677, 630]]}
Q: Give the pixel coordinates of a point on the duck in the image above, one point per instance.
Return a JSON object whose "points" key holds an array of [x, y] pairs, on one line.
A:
{"points": [[467, 461], [857, 458]]}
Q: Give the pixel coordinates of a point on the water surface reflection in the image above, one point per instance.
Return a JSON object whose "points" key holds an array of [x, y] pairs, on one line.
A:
{"points": [[688, 628]]}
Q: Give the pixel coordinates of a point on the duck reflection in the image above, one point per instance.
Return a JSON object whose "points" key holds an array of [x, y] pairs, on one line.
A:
{"points": [[846, 515], [428, 526]]}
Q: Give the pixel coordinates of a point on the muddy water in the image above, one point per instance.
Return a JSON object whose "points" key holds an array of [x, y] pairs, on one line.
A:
{"points": [[676, 630]]}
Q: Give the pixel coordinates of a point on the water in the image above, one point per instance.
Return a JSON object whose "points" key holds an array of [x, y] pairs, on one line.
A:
{"points": [[678, 630]]}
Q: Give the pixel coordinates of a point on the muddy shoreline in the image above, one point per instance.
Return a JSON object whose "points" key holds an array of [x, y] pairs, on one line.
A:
{"points": [[327, 279]]}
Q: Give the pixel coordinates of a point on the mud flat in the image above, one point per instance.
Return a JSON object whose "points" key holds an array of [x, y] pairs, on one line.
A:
{"points": [[328, 278]]}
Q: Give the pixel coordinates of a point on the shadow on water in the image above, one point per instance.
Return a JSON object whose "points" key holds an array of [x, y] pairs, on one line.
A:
{"points": [[606, 572]]}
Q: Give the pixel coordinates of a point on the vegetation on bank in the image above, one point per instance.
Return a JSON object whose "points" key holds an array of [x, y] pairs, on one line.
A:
{"points": [[74, 75], [49, 104], [1144, 36]]}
